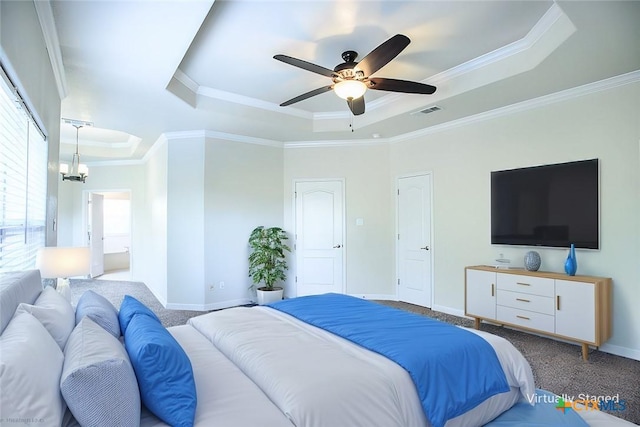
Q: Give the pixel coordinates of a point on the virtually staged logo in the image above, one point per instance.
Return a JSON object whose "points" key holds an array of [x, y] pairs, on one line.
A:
{"points": [[585, 402], [563, 406]]}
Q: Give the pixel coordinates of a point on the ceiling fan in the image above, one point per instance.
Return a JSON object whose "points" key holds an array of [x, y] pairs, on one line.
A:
{"points": [[351, 79]]}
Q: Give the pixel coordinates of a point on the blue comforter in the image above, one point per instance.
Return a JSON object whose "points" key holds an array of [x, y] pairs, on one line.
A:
{"points": [[453, 370]]}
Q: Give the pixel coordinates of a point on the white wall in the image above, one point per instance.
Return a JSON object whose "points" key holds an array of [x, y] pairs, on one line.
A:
{"points": [[369, 248], [243, 189], [185, 221], [72, 195], [24, 56], [153, 254], [203, 198]]}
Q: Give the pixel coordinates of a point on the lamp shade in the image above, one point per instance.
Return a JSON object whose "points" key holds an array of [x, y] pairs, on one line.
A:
{"points": [[56, 262], [353, 89]]}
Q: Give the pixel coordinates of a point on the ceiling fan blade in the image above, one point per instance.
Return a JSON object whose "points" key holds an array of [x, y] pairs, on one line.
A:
{"points": [[306, 65], [380, 56], [393, 85], [307, 95], [356, 105]]}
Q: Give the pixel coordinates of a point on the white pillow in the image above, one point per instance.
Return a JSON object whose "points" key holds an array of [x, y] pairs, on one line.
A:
{"points": [[54, 312], [30, 368], [98, 382]]}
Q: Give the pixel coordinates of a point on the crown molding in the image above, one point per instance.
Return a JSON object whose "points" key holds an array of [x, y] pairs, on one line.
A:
{"points": [[565, 95], [50, 33]]}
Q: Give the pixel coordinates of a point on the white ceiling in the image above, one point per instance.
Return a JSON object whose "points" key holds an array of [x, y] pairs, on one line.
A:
{"points": [[140, 69]]}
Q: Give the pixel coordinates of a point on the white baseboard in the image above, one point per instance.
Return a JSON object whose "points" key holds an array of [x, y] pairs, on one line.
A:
{"points": [[630, 353], [384, 297], [208, 307], [448, 310]]}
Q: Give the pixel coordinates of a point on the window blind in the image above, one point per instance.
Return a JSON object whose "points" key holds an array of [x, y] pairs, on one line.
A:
{"points": [[23, 183]]}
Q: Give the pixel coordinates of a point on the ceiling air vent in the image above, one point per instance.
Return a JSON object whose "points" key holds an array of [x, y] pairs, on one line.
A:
{"points": [[431, 109]]}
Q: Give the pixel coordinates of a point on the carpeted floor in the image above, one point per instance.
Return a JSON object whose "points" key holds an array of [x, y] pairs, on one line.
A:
{"points": [[557, 366], [115, 291]]}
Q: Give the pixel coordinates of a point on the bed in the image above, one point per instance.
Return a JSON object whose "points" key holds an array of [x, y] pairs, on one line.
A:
{"points": [[265, 366]]}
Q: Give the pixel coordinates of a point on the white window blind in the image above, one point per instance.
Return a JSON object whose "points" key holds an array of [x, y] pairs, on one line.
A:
{"points": [[23, 183]]}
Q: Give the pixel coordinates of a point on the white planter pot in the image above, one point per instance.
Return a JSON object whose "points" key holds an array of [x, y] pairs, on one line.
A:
{"points": [[267, 297]]}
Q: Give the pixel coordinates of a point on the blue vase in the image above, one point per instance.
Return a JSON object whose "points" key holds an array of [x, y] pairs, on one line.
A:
{"points": [[571, 264]]}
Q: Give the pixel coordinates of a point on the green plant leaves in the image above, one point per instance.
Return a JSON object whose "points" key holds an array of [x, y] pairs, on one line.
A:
{"points": [[267, 262]]}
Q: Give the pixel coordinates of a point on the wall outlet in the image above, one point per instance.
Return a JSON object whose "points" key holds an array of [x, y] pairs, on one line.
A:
{"points": [[221, 285]]}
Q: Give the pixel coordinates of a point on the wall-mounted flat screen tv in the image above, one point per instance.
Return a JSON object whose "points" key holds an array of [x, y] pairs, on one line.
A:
{"points": [[551, 205]]}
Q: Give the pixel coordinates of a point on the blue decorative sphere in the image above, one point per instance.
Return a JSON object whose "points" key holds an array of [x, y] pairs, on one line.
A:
{"points": [[532, 261]]}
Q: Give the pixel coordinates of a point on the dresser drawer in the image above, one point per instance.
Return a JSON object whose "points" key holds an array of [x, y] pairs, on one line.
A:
{"points": [[526, 284], [527, 319], [522, 301]]}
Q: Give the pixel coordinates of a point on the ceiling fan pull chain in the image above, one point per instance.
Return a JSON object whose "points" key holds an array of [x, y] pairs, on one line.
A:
{"points": [[351, 124]]}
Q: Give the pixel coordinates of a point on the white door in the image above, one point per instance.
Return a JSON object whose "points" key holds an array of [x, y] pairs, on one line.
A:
{"points": [[414, 240], [319, 244], [96, 233]]}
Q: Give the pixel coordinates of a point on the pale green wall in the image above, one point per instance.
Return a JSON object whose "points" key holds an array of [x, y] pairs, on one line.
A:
{"points": [[243, 189], [369, 249], [461, 160]]}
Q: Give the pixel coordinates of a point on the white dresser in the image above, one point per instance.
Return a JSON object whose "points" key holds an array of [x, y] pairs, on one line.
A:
{"points": [[574, 308]]}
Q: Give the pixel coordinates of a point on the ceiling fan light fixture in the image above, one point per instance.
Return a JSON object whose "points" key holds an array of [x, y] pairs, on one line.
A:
{"points": [[353, 89]]}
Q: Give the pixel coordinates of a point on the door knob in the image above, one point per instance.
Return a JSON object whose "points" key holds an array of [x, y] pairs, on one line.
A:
{"points": [[337, 246], [426, 248]]}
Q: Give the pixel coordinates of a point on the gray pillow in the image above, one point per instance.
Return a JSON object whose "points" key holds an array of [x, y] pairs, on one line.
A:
{"points": [[30, 366], [100, 310], [54, 312], [98, 382]]}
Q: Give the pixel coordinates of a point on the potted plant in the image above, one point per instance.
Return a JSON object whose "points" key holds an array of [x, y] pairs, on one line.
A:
{"points": [[267, 262]]}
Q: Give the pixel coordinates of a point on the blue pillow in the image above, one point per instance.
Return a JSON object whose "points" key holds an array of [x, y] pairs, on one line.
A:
{"points": [[129, 308], [100, 310], [163, 370]]}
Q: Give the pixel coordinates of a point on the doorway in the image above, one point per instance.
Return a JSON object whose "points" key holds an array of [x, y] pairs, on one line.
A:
{"points": [[320, 237], [108, 225], [414, 254]]}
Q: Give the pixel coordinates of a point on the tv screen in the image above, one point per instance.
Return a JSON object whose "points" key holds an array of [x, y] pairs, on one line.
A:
{"points": [[551, 205]]}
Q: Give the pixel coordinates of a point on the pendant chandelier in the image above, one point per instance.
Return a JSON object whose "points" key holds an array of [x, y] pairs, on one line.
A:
{"points": [[79, 171]]}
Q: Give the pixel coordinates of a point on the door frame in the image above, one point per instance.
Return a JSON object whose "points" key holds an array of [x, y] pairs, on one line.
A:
{"points": [[85, 216], [344, 227], [397, 230]]}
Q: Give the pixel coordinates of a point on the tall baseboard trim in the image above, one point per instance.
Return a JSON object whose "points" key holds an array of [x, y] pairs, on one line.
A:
{"points": [[210, 306], [448, 310], [384, 297], [630, 353]]}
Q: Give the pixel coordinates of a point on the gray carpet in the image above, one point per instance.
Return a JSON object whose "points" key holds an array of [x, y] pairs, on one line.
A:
{"points": [[115, 291], [557, 367]]}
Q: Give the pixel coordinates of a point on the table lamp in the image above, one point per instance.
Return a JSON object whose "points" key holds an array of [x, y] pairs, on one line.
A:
{"points": [[61, 263]]}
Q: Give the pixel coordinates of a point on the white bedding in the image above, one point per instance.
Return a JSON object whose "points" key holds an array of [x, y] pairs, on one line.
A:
{"points": [[319, 379], [226, 397]]}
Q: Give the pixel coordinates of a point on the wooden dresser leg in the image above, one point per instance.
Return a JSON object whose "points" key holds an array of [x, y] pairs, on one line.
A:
{"points": [[585, 352], [476, 323]]}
